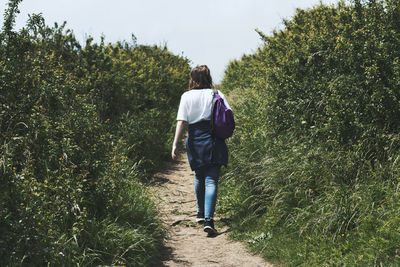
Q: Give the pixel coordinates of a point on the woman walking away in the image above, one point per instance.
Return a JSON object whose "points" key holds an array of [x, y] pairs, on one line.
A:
{"points": [[206, 152]]}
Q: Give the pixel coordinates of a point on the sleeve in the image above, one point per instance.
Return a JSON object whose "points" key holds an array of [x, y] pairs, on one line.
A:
{"points": [[182, 111], [224, 98]]}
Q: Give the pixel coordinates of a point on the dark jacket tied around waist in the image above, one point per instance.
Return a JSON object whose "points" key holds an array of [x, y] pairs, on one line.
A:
{"points": [[203, 148]]}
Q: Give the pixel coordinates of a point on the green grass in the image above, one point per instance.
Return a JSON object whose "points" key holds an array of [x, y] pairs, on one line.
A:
{"points": [[314, 160]]}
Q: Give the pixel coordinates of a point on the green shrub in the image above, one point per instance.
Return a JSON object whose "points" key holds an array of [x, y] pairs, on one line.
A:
{"points": [[81, 127], [316, 145]]}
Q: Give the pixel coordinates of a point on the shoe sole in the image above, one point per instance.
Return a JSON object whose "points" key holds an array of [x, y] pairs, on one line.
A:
{"points": [[210, 230], [200, 220]]}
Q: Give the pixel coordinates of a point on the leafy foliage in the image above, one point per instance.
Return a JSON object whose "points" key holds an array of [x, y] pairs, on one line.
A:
{"points": [[82, 127], [315, 154]]}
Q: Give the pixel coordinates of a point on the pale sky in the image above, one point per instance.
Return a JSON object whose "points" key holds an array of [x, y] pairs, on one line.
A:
{"points": [[211, 32]]}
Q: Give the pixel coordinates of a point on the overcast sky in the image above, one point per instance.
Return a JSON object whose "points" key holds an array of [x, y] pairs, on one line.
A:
{"points": [[210, 32]]}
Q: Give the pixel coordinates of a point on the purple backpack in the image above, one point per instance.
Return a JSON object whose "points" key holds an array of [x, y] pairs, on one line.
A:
{"points": [[222, 121]]}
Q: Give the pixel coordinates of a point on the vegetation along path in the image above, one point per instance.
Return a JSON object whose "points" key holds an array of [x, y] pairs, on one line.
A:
{"points": [[186, 243]]}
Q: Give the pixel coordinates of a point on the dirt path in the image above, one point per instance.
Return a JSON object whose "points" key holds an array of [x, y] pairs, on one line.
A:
{"points": [[187, 244]]}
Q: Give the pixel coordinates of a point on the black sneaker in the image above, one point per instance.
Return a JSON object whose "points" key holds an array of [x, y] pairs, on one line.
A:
{"points": [[209, 227], [200, 217]]}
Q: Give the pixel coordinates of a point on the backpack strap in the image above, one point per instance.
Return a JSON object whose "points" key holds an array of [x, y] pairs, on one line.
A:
{"points": [[215, 99]]}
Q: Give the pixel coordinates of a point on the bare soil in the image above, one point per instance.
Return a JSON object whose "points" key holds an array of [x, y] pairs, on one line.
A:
{"points": [[186, 243]]}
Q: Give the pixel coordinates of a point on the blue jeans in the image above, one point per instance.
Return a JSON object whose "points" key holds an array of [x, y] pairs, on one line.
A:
{"points": [[206, 186]]}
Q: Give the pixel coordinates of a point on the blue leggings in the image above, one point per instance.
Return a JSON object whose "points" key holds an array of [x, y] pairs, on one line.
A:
{"points": [[206, 186]]}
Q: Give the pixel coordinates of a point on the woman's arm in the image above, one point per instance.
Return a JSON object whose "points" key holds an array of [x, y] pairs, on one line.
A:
{"points": [[180, 126]]}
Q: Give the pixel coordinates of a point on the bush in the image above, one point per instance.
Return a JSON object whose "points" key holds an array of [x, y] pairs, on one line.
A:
{"points": [[316, 146], [81, 129]]}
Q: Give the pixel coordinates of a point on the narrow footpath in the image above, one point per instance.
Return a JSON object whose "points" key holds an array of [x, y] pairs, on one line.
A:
{"points": [[186, 243]]}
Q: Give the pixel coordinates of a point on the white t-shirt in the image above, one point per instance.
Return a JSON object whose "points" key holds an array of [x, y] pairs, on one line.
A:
{"points": [[196, 105]]}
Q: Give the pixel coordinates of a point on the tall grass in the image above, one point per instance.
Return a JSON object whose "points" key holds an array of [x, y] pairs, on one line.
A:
{"points": [[314, 176], [82, 130]]}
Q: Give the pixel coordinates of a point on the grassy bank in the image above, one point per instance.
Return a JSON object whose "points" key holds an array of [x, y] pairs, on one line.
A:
{"points": [[314, 173], [82, 130]]}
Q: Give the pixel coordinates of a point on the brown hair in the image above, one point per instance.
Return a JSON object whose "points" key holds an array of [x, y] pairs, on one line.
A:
{"points": [[200, 78]]}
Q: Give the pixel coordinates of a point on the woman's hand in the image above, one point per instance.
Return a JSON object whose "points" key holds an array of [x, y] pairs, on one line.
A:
{"points": [[180, 126], [174, 153]]}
